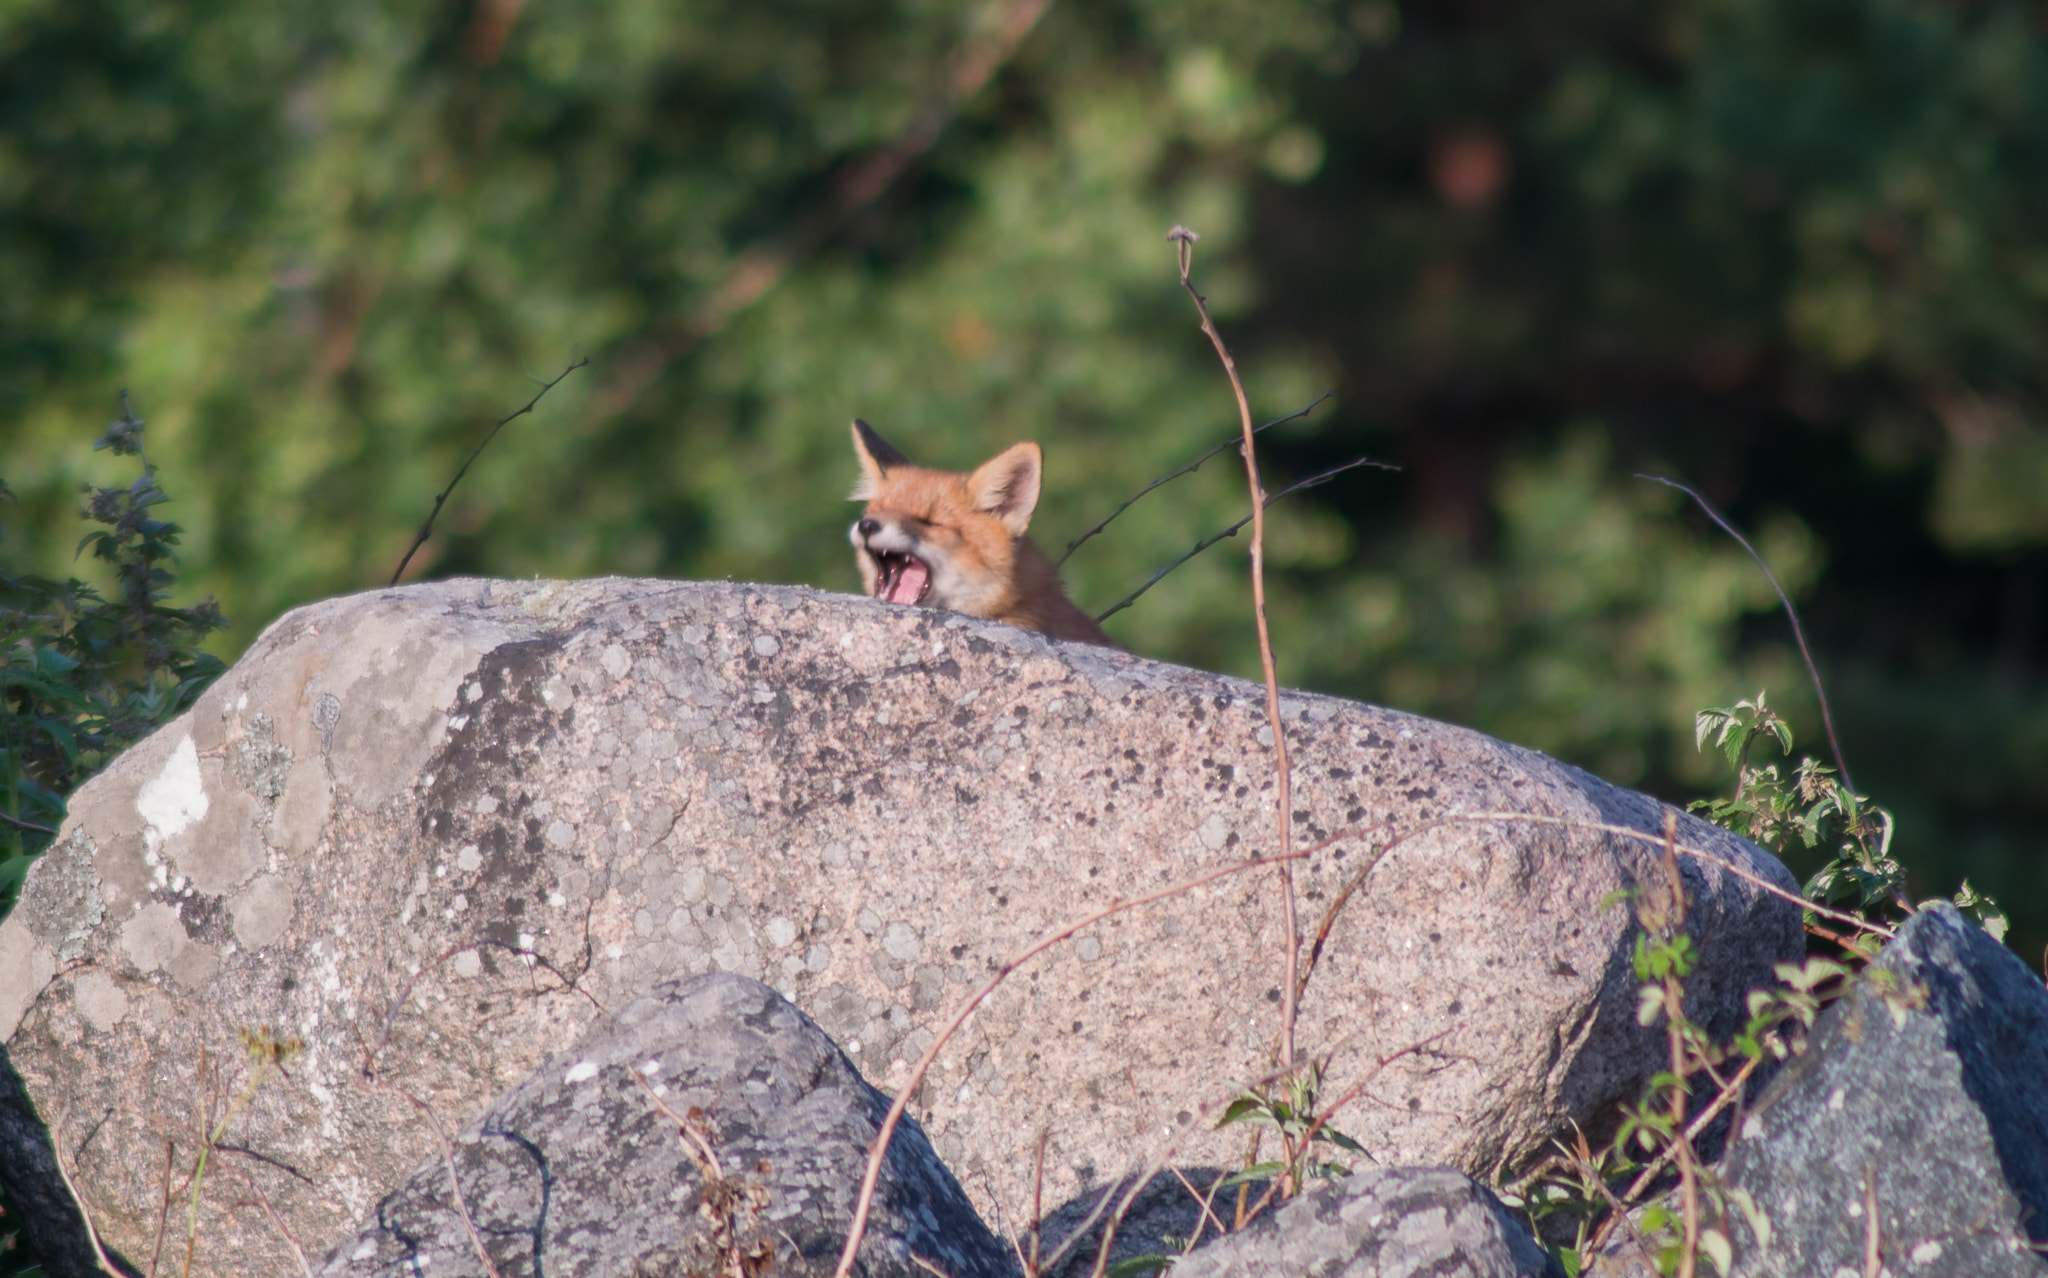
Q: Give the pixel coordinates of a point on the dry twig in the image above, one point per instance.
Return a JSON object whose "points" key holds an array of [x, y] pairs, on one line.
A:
{"points": [[1188, 469], [879, 1149], [1798, 632], [92, 1233], [1184, 249], [476, 1239], [427, 528], [1321, 477]]}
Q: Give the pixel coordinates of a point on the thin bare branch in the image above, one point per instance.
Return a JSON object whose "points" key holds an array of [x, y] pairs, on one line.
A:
{"points": [[1820, 691], [92, 1233], [1697, 854], [427, 528], [20, 824], [1188, 469], [1722, 1100], [1322, 477], [476, 1239], [1198, 1115], [879, 1149]]}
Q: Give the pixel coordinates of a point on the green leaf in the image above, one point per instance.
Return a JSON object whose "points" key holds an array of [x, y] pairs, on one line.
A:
{"points": [[1137, 1266], [1245, 1109]]}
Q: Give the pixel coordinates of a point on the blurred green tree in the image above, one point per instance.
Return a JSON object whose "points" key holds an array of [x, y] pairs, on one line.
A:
{"points": [[1789, 251]]}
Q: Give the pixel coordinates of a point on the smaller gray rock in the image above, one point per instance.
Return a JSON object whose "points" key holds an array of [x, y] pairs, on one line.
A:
{"points": [[1386, 1222], [578, 1170], [1925, 1090]]}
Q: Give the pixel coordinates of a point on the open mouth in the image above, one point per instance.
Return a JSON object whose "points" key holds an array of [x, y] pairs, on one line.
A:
{"points": [[902, 579]]}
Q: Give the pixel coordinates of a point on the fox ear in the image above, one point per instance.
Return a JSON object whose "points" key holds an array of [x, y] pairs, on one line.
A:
{"points": [[1006, 486], [876, 457]]}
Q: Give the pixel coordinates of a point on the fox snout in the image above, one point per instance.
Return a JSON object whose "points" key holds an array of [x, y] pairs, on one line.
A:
{"points": [[890, 561]]}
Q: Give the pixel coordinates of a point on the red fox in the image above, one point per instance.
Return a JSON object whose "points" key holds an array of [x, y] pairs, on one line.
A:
{"points": [[947, 540]]}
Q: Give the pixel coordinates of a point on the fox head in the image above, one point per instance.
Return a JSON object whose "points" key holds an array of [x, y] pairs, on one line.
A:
{"points": [[939, 538]]}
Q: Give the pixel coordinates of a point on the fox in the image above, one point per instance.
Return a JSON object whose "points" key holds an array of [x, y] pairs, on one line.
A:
{"points": [[943, 539]]}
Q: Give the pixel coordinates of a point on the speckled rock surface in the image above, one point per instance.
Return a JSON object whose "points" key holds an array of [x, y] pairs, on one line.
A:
{"points": [[1385, 1222], [362, 829], [1925, 1092], [578, 1171]]}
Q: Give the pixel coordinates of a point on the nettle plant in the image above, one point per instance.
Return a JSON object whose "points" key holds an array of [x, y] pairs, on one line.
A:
{"points": [[83, 675], [1649, 1182], [1813, 808]]}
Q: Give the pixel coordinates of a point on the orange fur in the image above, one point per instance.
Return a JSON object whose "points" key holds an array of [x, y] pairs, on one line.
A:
{"points": [[950, 540]]}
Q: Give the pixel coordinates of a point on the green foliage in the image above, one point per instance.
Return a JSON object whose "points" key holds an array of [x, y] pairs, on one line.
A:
{"points": [[1813, 810], [1289, 1112], [85, 676]]}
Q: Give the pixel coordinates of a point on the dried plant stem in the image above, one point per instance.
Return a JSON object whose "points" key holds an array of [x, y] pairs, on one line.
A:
{"points": [[1697, 854], [262, 1203], [1151, 1169], [1188, 469], [880, 1148], [1351, 1094], [427, 528], [1322, 477], [92, 1233], [1184, 249], [476, 1240], [1820, 691], [1722, 1100], [1674, 1009]]}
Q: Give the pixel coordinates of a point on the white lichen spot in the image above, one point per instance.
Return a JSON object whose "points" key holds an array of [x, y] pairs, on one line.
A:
{"points": [[176, 796], [469, 858], [581, 1072], [557, 900], [766, 645], [1836, 1098], [1926, 1253], [487, 804], [902, 943], [468, 964]]}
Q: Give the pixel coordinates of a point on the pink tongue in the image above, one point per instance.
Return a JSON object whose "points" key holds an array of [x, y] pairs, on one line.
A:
{"points": [[909, 583]]}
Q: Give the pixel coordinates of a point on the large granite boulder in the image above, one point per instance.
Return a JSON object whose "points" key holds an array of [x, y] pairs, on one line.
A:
{"points": [[586, 1167], [433, 832], [1923, 1094]]}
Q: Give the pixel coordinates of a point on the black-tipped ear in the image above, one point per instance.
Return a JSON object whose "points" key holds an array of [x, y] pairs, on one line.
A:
{"points": [[866, 440], [876, 456]]}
